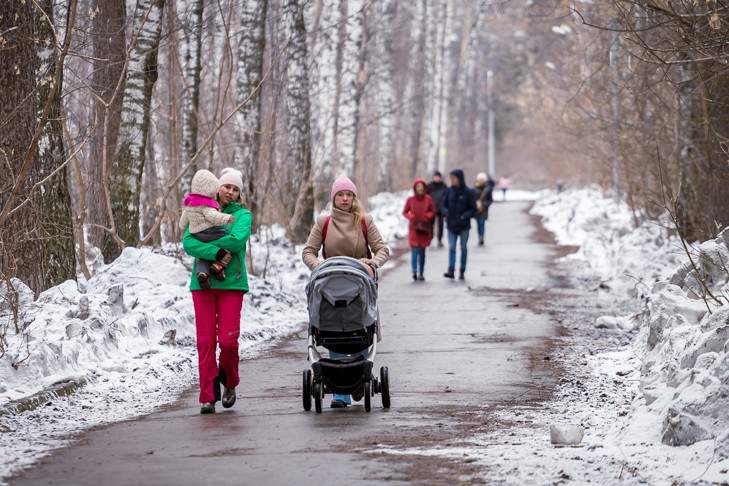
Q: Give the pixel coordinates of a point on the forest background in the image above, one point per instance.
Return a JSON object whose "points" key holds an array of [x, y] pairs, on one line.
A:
{"points": [[107, 108]]}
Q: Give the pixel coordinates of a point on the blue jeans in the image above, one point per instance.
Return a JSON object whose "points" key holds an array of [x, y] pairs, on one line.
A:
{"points": [[417, 259], [452, 240], [481, 225], [335, 396]]}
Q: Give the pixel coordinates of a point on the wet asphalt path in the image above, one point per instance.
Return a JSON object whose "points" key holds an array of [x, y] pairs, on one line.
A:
{"points": [[454, 349]]}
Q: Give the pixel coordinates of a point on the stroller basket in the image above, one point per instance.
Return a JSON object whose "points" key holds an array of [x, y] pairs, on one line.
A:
{"points": [[350, 342], [343, 377]]}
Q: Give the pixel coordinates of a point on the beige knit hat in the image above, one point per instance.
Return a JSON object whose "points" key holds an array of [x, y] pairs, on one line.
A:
{"points": [[232, 176], [205, 183]]}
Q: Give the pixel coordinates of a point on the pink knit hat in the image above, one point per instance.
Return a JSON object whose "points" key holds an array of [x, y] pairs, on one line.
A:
{"points": [[343, 184]]}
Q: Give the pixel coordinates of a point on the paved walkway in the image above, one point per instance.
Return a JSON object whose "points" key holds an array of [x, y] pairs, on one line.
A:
{"points": [[454, 350]]}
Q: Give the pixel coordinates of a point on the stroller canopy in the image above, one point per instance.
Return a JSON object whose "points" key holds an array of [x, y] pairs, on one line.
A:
{"points": [[341, 295]]}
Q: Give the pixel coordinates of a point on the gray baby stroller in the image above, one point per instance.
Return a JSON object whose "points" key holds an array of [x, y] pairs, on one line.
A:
{"points": [[342, 301]]}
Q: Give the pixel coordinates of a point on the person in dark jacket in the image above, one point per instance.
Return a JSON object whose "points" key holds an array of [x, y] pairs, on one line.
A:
{"points": [[459, 207], [483, 192], [419, 209], [436, 191]]}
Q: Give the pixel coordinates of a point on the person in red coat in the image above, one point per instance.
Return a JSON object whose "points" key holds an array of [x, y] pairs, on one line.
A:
{"points": [[420, 210]]}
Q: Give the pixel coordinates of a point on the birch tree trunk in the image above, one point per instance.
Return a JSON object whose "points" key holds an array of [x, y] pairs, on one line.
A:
{"points": [[434, 63], [109, 46], [251, 49], [325, 80], [298, 150], [21, 235], [352, 80], [192, 26], [447, 69], [417, 86], [125, 178], [55, 200], [386, 93]]}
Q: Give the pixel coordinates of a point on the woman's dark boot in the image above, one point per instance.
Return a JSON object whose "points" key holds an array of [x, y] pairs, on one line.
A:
{"points": [[451, 273], [480, 241], [207, 407], [420, 277], [461, 275], [228, 397], [415, 277]]}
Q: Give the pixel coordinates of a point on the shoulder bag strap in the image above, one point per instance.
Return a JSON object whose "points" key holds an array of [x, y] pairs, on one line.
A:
{"points": [[367, 243], [324, 237]]}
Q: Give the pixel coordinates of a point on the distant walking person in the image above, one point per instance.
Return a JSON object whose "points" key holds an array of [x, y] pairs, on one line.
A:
{"points": [[459, 207], [483, 193], [436, 191], [420, 210], [504, 186]]}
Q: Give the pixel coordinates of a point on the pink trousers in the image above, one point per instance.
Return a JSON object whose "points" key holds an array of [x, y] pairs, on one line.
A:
{"points": [[217, 320]]}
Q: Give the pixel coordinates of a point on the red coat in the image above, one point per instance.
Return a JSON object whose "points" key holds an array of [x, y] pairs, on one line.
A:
{"points": [[420, 210]]}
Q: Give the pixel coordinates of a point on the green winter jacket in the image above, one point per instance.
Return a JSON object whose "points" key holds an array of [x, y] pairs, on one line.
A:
{"points": [[236, 277]]}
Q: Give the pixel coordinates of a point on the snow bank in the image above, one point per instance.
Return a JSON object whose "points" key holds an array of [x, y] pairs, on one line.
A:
{"points": [[681, 346], [610, 246], [685, 372]]}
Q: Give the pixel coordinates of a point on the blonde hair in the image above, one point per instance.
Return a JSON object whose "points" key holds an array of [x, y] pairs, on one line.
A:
{"points": [[356, 210]]}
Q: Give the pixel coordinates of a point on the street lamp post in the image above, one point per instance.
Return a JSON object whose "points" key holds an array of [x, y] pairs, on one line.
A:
{"points": [[490, 99]]}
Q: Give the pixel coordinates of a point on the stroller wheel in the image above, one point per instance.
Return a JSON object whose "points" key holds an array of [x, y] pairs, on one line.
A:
{"points": [[306, 390], [368, 395], [385, 386], [318, 396]]}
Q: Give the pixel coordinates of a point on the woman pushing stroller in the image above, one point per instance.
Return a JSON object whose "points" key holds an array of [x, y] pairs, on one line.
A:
{"points": [[346, 231]]}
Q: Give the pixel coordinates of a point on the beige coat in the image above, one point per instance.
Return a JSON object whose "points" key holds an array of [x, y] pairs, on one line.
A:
{"points": [[201, 218], [345, 239]]}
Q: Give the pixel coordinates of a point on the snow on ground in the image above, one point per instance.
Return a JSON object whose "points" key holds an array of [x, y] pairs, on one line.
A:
{"points": [[650, 389], [130, 332]]}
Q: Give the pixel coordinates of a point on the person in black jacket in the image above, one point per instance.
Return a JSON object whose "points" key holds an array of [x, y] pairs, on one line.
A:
{"points": [[436, 191], [459, 207], [483, 192]]}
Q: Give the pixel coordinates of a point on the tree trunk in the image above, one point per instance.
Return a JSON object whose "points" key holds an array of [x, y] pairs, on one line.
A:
{"points": [[109, 45], [21, 235], [192, 14], [352, 81], [125, 178], [298, 151], [386, 93], [251, 48], [417, 87], [325, 79], [55, 200], [435, 68]]}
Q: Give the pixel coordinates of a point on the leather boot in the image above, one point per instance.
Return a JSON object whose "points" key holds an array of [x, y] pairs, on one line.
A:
{"points": [[461, 275], [451, 273], [228, 397]]}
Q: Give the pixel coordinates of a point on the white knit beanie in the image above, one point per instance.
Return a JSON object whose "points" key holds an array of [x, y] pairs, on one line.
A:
{"points": [[232, 176]]}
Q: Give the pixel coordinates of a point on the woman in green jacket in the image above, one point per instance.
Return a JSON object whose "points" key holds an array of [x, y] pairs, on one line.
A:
{"points": [[218, 309]]}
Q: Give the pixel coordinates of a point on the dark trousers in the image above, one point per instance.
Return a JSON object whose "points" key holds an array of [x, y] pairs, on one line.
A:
{"points": [[207, 235], [437, 225]]}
